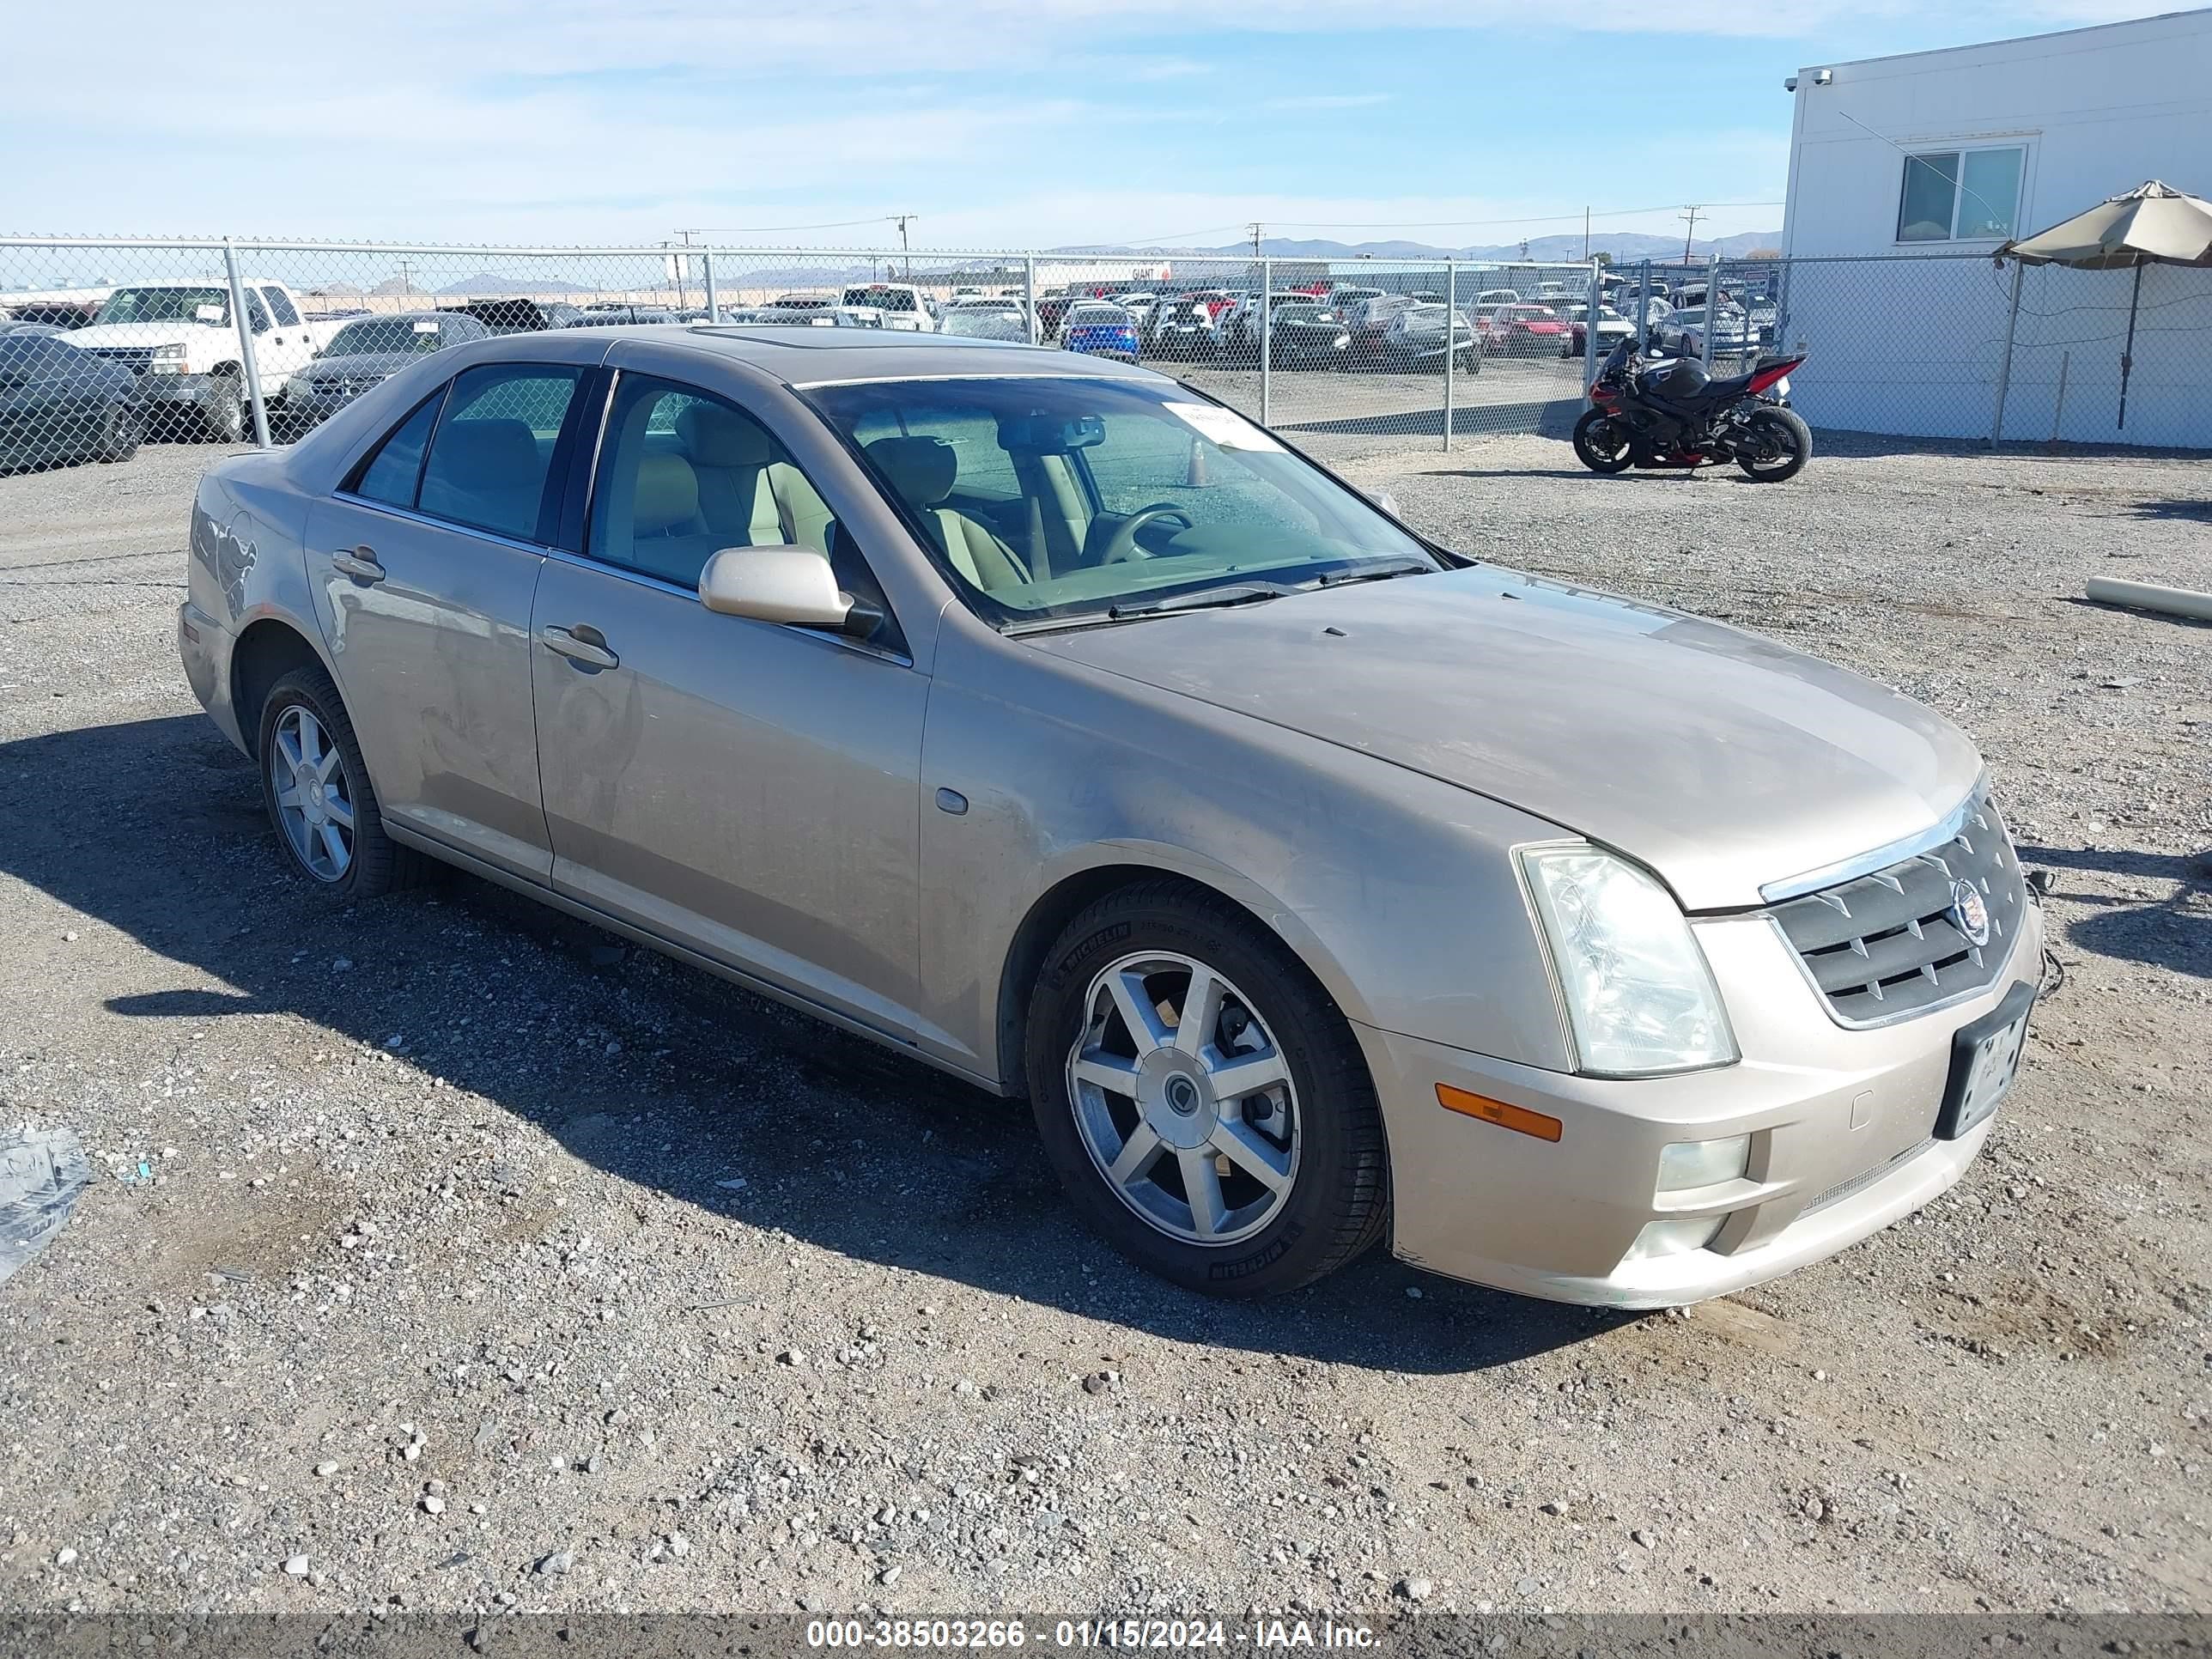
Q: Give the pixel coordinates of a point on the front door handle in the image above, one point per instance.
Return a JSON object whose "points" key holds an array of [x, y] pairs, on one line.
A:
{"points": [[359, 562], [593, 653]]}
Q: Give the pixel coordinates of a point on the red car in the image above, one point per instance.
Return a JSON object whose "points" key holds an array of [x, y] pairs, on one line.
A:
{"points": [[1523, 331]]}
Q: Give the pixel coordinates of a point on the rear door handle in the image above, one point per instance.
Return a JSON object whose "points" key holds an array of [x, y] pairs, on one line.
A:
{"points": [[359, 562], [590, 653]]}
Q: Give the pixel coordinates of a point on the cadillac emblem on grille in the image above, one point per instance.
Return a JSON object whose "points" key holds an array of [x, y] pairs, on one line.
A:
{"points": [[1970, 913]]}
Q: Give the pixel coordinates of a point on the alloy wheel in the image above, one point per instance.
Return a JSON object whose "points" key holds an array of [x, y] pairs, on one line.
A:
{"points": [[1183, 1099], [314, 793]]}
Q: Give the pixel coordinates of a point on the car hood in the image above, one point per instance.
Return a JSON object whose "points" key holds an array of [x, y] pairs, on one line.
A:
{"points": [[1721, 760], [359, 365], [139, 334]]}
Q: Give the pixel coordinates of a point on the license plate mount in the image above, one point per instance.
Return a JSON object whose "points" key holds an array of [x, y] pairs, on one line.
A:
{"points": [[1985, 1060]]}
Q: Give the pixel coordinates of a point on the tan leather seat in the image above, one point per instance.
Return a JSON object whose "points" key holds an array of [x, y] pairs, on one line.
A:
{"points": [[660, 530], [747, 490], [923, 471]]}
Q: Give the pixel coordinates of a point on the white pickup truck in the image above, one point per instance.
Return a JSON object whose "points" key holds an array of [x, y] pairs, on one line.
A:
{"points": [[176, 337]]}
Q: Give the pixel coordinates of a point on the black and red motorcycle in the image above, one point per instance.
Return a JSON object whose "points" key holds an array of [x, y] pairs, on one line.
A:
{"points": [[1672, 413]]}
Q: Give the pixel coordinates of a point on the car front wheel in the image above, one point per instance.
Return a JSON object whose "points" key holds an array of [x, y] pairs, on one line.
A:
{"points": [[1202, 1096], [316, 786]]}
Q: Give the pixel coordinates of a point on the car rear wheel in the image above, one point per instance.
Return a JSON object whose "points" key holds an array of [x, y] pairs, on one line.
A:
{"points": [[1201, 1097], [316, 786]]}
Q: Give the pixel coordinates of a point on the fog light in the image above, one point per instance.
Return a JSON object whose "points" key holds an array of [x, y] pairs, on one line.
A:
{"points": [[1662, 1238], [1689, 1163]]}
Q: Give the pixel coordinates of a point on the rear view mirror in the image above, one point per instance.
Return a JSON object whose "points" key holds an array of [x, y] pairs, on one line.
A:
{"points": [[791, 585], [1051, 435]]}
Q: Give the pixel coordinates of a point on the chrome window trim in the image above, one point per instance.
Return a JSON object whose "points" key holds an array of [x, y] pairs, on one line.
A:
{"points": [[1865, 864], [413, 516]]}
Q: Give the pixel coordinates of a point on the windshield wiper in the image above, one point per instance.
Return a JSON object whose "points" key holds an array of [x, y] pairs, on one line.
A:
{"points": [[1380, 570], [1206, 598]]}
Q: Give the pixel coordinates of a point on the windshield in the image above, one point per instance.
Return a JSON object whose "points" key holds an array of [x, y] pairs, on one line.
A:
{"points": [[161, 305], [386, 334], [1060, 498]]}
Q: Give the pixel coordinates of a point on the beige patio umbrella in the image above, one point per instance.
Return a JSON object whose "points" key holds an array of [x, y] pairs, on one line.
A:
{"points": [[2152, 224]]}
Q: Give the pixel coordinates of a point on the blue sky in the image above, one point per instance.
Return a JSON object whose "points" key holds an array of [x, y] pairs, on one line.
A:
{"points": [[999, 123]]}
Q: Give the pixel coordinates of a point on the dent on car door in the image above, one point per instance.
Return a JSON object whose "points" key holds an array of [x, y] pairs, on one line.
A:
{"points": [[744, 788], [423, 568]]}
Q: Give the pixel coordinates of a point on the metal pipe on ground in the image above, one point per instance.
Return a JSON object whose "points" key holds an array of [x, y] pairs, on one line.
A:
{"points": [[2147, 595]]}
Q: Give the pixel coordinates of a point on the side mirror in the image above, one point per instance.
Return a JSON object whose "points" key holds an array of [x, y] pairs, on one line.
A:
{"points": [[1388, 503], [791, 585]]}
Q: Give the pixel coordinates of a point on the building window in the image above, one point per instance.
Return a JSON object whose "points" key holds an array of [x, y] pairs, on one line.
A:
{"points": [[1961, 195]]}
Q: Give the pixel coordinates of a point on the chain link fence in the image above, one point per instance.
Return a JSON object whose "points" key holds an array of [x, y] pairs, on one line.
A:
{"points": [[107, 343]]}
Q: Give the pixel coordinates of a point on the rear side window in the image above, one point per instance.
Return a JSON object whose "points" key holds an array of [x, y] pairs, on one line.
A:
{"points": [[281, 304], [390, 474], [492, 451]]}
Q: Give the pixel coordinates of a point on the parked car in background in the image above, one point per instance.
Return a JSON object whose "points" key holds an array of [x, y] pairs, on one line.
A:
{"points": [[1052, 315], [1683, 332], [61, 313], [1140, 305], [176, 337], [1612, 329], [1241, 327], [366, 353], [1368, 322], [817, 310], [1101, 330], [611, 316], [1420, 336], [518, 315], [1523, 330], [985, 320], [1052, 725], [903, 306], [58, 403], [1184, 329], [1491, 298], [1303, 333]]}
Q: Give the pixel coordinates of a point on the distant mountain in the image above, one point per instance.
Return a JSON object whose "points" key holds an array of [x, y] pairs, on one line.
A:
{"points": [[490, 283], [1625, 246]]}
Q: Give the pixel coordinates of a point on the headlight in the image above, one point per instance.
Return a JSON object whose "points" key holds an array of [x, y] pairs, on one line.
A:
{"points": [[1639, 996], [167, 354]]}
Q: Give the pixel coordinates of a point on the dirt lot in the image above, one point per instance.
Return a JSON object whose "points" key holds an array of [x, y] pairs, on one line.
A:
{"points": [[480, 1261]]}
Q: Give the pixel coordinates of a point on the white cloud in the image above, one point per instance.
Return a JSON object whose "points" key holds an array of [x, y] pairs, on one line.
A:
{"points": [[1331, 100]]}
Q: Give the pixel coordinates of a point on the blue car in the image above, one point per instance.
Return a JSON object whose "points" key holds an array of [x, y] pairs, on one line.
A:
{"points": [[1102, 330]]}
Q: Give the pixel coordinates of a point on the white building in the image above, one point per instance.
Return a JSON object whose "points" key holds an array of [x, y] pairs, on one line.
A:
{"points": [[1944, 155]]}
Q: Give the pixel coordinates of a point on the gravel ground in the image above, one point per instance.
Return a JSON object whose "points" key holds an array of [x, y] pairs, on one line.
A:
{"points": [[447, 1254]]}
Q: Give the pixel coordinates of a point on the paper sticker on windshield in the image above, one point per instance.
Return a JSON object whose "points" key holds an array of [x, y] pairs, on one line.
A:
{"points": [[426, 328], [1225, 426]]}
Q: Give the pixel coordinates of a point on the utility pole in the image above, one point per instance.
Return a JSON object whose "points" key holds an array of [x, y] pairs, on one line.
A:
{"points": [[405, 286], [1690, 234], [1254, 227], [903, 218]]}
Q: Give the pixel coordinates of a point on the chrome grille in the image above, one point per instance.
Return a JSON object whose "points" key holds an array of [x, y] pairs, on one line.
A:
{"points": [[1888, 944], [134, 358]]}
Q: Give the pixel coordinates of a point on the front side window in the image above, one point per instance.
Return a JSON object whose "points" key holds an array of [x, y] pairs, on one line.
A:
{"points": [[684, 475], [1961, 195], [162, 304], [493, 451], [1057, 497]]}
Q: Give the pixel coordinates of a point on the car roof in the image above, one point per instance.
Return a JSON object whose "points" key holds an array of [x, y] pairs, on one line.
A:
{"points": [[803, 355]]}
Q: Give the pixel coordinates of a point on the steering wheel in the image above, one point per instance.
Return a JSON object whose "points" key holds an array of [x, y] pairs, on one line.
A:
{"points": [[1121, 545]]}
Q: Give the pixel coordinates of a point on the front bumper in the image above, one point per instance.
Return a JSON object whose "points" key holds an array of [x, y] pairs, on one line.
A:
{"points": [[168, 391], [1840, 1122]]}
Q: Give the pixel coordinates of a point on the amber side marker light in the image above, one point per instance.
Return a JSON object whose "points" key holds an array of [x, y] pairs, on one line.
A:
{"points": [[1504, 1116]]}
